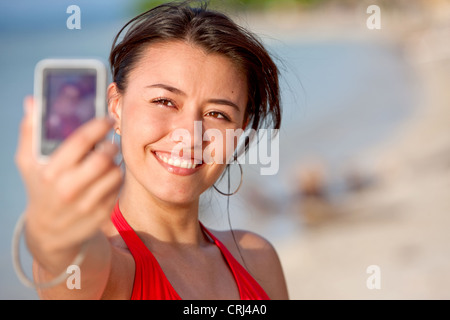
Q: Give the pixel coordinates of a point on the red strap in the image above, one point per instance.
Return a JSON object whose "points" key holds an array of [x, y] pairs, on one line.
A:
{"points": [[150, 282]]}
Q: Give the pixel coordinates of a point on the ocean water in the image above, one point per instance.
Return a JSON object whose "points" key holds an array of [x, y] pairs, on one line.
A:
{"points": [[339, 97]]}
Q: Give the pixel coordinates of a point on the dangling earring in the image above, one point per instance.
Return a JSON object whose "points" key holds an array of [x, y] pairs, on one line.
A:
{"points": [[117, 131], [240, 183]]}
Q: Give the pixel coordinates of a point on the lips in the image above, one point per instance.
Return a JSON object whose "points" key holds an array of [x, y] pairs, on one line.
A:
{"points": [[177, 165]]}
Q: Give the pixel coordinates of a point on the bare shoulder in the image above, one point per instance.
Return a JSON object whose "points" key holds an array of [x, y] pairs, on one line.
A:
{"points": [[121, 277], [259, 257]]}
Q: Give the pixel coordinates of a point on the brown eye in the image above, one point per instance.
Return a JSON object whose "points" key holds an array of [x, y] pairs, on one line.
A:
{"points": [[164, 102], [217, 115]]}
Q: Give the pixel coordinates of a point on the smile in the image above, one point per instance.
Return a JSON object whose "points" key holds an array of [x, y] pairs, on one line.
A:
{"points": [[177, 162], [177, 165]]}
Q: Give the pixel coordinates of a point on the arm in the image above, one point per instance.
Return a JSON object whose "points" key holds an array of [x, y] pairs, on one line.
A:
{"points": [[94, 273], [106, 273], [69, 199]]}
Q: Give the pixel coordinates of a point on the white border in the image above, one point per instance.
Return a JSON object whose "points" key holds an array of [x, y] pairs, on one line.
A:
{"points": [[41, 66]]}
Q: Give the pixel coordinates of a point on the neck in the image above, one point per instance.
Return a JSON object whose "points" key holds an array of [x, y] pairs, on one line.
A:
{"points": [[167, 223]]}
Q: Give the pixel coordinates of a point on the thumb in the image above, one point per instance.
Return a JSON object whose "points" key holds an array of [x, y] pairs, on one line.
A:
{"points": [[24, 153]]}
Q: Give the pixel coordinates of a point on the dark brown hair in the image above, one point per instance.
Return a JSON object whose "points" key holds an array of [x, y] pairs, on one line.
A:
{"points": [[214, 32]]}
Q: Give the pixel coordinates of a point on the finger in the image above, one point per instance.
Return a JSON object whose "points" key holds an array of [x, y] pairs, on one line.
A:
{"points": [[99, 216], [94, 197], [95, 208], [74, 182], [24, 153], [78, 145]]}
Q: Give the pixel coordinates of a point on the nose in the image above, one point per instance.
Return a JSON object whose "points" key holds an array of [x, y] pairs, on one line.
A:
{"points": [[187, 135]]}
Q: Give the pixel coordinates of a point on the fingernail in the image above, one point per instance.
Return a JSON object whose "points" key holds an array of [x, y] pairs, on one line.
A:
{"points": [[27, 105]]}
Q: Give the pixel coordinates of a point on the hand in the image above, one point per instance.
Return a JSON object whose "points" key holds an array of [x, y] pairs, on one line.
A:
{"points": [[71, 196]]}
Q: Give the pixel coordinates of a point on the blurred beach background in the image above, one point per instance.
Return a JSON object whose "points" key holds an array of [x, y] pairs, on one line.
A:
{"points": [[364, 148]]}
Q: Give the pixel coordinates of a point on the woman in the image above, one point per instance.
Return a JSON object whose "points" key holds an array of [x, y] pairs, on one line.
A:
{"points": [[176, 67]]}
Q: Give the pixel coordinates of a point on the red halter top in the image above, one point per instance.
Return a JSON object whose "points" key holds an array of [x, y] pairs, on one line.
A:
{"points": [[150, 282]]}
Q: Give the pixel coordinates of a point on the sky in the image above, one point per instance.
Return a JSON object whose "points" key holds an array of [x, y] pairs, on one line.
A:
{"points": [[41, 14]]}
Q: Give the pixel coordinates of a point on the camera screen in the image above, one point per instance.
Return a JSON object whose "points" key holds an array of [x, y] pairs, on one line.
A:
{"points": [[69, 101]]}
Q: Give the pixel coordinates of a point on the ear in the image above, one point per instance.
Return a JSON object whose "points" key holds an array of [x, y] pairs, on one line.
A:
{"points": [[114, 104]]}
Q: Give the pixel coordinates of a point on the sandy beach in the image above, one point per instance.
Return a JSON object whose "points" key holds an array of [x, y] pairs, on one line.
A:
{"points": [[400, 223]]}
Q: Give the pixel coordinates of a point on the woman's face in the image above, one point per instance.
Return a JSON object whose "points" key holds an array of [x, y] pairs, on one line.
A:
{"points": [[174, 95]]}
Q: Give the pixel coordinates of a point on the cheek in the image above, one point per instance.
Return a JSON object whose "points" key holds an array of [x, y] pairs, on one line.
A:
{"points": [[221, 145], [139, 127]]}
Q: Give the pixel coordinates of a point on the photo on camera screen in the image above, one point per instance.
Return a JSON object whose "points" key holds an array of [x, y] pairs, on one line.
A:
{"points": [[70, 102]]}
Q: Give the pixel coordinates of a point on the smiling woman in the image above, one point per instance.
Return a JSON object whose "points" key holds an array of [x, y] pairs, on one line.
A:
{"points": [[147, 115], [177, 66]]}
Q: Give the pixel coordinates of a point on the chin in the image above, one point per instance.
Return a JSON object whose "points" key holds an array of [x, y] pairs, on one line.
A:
{"points": [[177, 197]]}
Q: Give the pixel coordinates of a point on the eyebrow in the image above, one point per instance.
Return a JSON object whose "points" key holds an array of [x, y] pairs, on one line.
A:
{"points": [[225, 103], [168, 88], [182, 93]]}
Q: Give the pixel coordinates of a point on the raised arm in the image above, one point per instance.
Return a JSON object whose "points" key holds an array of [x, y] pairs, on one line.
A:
{"points": [[69, 199]]}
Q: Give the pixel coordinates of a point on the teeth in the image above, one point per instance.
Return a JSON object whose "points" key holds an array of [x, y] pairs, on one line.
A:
{"points": [[181, 163]]}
